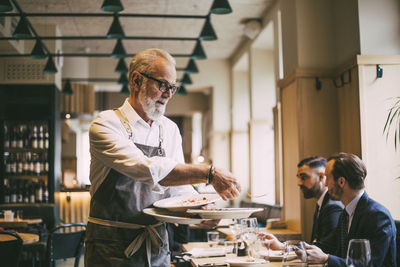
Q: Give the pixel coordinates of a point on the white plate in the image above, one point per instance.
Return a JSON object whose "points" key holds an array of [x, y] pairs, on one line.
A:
{"points": [[245, 261], [225, 213], [165, 216], [277, 255], [182, 203]]}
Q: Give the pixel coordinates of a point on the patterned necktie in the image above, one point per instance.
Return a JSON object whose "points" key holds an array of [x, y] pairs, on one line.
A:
{"points": [[343, 224], [314, 236]]}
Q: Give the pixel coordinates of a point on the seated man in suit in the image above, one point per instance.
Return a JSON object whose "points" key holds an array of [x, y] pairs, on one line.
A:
{"points": [[362, 218], [311, 180]]}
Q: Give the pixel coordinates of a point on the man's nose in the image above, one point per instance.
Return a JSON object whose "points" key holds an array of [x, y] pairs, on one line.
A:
{"points": [[167, 94], [299, 182]]}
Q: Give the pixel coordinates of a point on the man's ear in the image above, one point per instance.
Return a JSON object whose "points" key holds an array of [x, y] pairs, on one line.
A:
{"points": [[322, 177], [136, 81], [342, 181]]}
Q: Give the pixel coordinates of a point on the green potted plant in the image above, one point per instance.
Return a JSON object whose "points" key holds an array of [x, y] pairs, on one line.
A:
{"points": [[393, 121]]}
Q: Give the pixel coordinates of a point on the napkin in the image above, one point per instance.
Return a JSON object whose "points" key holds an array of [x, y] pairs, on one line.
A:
{"points": [[207, 252]]}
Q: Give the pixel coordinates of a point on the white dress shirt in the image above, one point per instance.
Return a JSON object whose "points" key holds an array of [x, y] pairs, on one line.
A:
{"points": [[110, 147], [321, 199]]}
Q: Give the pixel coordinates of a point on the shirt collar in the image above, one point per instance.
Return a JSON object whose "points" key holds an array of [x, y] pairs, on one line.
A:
{"points": [[132, 116], [321, 198], [351, 207]]}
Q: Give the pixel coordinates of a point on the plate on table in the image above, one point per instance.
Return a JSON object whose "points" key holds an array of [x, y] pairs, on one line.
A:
{"points": [[182, 203], [224, 213], [277, 255], [245, 261], [165, 216]]}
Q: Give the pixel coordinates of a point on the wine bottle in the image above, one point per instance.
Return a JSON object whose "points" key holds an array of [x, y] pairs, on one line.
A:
{"points": [[39, 192], [36, 161], [46, 136], [32, 193], [7, 192], [26, 192], [13, 164], [41, 137], [45, 194], [13, 192], [13, 137], [6, 136], [20, 133], [20, 190], [20, 164], [26, 159], [7, 159], [34, 141]]}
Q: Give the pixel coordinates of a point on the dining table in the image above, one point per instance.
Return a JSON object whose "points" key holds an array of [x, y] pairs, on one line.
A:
{"points": [[19, 223], [27, 238], [209, 261], [280, 234]]}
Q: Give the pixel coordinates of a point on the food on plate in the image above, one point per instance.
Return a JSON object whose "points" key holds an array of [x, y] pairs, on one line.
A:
{"points": [[195, 201]]}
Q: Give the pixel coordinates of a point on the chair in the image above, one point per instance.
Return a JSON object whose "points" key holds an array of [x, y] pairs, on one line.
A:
{"points": [[10, 251], [63, 245]]}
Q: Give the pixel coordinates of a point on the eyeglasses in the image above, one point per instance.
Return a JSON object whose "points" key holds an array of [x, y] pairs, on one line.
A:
{"points": [[163, 86]]}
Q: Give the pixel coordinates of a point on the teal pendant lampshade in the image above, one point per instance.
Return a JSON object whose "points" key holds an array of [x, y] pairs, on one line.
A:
{"points": [[191, 67], [221, 7], [208, 33], [123, 80], [124, 90], [119, 50], [182, 90], [115, 30], [67, 90], [112, 6], [198, 52], [121, 67], [186, 79], [38, 51], [50, 67], [5, 6], [22, 29]]}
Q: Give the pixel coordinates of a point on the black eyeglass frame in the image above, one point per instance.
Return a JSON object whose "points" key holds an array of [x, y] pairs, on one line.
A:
{"points": [[163, 86]]}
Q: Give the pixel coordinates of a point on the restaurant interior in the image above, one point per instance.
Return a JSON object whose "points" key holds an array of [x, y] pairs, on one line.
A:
{"points": [[263, 84]]}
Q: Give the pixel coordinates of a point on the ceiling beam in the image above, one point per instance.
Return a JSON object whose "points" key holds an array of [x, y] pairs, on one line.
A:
{"points": [[106, 15], [103, 38]]}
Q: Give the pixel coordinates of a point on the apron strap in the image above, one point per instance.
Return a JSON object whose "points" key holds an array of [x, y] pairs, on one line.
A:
{"points": [[149, 235], [124, 122]]}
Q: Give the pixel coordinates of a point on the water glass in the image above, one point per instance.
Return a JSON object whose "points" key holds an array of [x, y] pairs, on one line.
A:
{"points": [[212, 238], [236, 229], [296, 246], [359, 253], [231, 249]]}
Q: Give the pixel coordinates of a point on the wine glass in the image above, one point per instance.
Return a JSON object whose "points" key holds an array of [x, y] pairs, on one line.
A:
{"points": [[249, 232], [358, 253], [236, 229], [293, 248]]}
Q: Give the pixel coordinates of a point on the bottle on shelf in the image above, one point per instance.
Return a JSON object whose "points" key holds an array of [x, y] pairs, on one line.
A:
{"points": [[13, 164], [20, 133], [39, 192], [20, 164], [36, 162], [7, 192], [26, 192], [31, 164], [13, 137], [7, 163], [6, 136], [20, 189], [41, 137], [46, 136], [34, 139], [26, 159], [13, 192], [32, 198], [45, 193]]}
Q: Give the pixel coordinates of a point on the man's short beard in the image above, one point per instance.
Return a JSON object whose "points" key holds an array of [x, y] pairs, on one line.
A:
{"points": [[311, 192], [149, 105]]}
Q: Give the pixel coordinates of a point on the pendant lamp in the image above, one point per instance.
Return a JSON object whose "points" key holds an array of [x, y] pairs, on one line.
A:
{"points": [[124, 90], [186, 79], [119, 50], [67, 90], [5, 6], [182, 90], [112, 6], [123, 80], [50, 67], [121, 67], [191, 67], [22, 29], [208, 33], [115, 30], [221, 7], [38, 51], [198, 52]]}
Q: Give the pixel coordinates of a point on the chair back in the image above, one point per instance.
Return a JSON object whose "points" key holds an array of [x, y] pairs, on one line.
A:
{"points": [[10, 251], [62, 244]]}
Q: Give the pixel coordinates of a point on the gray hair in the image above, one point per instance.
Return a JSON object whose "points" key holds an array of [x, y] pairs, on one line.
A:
{"points": [[144, 60]]}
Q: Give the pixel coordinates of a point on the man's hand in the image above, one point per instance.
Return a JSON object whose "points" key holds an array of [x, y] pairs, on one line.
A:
{"points": [[274, 243], [315, 254], [225, 184]]}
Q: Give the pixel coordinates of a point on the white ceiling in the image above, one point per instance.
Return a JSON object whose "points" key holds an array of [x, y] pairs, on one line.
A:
{"points": [[227, 27]]}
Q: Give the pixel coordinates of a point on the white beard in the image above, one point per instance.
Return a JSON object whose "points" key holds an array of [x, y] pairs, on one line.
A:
{"points": [[150, 106]]}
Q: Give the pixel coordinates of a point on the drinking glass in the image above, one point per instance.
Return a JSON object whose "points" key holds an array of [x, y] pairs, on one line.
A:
{"points": [[212, 238], [296, 246], [358, 253], [231, 249], [249, 232], [236, 229]]}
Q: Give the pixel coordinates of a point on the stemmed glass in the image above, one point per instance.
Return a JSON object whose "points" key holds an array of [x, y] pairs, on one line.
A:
{"points": [[358, 253], [249, 232], [236, 229], [296, 246]]}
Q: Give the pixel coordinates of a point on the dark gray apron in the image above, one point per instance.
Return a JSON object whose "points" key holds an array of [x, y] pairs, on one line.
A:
{"points": [[122, 199]]}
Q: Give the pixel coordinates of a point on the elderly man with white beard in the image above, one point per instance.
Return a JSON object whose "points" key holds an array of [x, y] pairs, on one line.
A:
{"points": [[137, 159]]}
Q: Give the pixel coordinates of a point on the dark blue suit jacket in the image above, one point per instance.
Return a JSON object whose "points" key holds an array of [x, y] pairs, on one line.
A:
{"points": [[371, 221], [327, 220]]}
